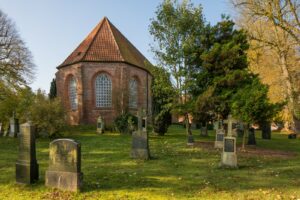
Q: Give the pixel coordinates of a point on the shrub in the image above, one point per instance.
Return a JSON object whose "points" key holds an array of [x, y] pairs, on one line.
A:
{"points": [[47, 115], [126, 123], [161, 122]]}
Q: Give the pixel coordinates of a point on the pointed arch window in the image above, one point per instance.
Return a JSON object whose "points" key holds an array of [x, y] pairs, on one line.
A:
{"points": [[133, 93], [73, 93], [103, 91]]}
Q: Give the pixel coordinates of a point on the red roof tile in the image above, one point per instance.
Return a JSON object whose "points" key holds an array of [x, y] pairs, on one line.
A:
{"points": [[106, 44]]}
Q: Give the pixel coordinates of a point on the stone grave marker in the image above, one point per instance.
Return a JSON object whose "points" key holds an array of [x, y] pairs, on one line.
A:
{"points": [[219, 142], [13, 126], [27, 168], [64, 170], [220, 133], [100, 125], [140, 143], [229, 156]]}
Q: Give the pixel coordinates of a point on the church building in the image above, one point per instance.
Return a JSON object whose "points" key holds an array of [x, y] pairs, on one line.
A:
{"points": [[105, 75]]}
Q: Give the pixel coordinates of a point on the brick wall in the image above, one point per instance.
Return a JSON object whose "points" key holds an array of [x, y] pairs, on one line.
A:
{"points": [[85, 74]]}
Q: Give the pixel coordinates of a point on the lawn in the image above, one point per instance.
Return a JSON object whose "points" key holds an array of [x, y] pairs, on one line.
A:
{"points": [[176, 171]]}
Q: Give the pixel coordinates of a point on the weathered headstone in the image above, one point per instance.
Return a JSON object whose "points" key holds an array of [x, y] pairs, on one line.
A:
{"points": [[140, 143], [13, 126], [64, 170], [100, 125], [27, 168], [229, 156], [220, 133]]}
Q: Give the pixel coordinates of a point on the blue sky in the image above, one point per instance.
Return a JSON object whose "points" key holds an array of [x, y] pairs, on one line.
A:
{"points": [[52, 29]]}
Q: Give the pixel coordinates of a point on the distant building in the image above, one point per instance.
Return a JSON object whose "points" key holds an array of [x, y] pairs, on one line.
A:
{"points": [[105, 75]]}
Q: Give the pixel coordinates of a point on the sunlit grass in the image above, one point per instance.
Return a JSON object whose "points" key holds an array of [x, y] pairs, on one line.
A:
{"points": [[175, 172]]}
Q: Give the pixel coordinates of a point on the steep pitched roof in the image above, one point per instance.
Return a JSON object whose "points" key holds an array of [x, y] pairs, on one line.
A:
{"points": [[106, 44]]}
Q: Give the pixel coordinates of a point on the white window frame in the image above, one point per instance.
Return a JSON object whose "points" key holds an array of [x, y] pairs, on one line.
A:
{"points": [[103, 91]]}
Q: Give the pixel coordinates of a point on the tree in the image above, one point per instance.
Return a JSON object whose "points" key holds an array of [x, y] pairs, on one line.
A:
{"points": [[250, 104], [274, 26], [16, 66], [53, 92], [176, 29], [284, 14], [162, 99], [48, 116], [223, 69]]}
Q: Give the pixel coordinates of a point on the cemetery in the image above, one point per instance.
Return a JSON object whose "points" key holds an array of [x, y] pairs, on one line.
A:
{"points": [[214, 115]]}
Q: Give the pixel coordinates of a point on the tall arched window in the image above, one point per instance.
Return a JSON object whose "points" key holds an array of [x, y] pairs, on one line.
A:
{"points": [[73, 93], [103, 91], [133, 93]]}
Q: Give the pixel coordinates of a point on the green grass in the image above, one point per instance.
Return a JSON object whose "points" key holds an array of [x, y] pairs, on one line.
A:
{"points": [[176, 172]]}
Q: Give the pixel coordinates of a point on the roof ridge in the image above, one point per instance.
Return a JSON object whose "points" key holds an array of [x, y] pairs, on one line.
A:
{"points": [[94, 38], [117, 44]]}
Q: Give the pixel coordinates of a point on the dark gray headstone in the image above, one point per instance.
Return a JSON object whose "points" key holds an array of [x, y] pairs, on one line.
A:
{"points": [[220, 137], [13, 127], [64, 170], [27, 169], [228, 145]]}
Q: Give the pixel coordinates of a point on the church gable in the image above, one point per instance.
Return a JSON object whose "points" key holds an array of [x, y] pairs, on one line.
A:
{"points": [[106, 44]]}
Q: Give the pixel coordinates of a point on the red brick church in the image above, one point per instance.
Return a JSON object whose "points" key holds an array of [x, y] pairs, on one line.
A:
{"points": [[105, 75]]}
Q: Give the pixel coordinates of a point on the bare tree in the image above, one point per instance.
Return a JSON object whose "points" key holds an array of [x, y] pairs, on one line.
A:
{"points": [[16, 65], [284, 14], [269, 25]]}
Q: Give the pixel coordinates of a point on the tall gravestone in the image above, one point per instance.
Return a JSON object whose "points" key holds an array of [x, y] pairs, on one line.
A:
{"points": [[64, 170], [13, 126], [100, 125], [229, 156], [27, 168], [140, 143], [220, 133]]}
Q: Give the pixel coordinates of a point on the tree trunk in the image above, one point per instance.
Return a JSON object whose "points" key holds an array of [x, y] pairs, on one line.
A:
{"points": [[245, 128], [265, 130], [297, 125], [251, 136], [289, 90], [188, 129]]}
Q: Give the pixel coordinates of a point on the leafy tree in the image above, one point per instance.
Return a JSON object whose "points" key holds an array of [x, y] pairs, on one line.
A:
{"points": [[252, 105], [176, 29], [53, 92], [162, 96], [223, 69]]}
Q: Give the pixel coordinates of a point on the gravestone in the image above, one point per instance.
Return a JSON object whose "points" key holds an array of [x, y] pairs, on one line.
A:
{"points": [[292, 136], [13, 126], [229, 157], [64, 170], [220, 133], [140, 143], [231, 125], [100, 125], [27, 168]]}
